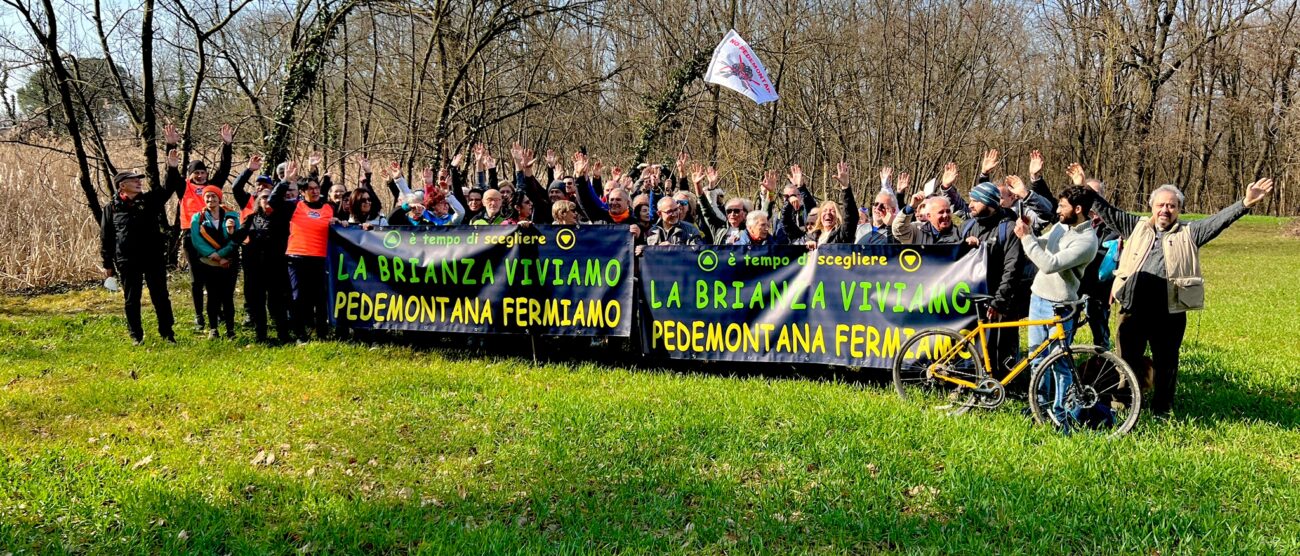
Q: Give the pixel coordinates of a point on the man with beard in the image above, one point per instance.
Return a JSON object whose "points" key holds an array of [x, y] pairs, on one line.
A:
{"points": [[991, 225], [191, 197], [1061, 255]]}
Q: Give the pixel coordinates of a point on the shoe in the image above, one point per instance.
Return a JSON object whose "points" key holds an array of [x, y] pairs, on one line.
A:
{"points": [[137, 341], [213, 335], [230, 334], [171, 339]]}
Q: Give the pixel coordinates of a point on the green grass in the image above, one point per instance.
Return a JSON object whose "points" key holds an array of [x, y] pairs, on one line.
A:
{"points": [[110, 449]]}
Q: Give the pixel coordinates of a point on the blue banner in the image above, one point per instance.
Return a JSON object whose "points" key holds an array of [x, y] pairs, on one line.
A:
{"points": [[550, 280], [848, 305]]}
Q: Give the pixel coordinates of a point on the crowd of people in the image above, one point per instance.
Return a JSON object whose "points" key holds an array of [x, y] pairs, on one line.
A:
{"points": [[1042, 248]]}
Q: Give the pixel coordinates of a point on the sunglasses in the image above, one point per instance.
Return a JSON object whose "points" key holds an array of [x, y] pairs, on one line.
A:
{"points": [[735, 210], [880, 206]]}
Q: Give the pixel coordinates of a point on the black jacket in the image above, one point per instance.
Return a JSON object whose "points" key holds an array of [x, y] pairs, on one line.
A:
{"points": [[131, 230], [1007, 278]]}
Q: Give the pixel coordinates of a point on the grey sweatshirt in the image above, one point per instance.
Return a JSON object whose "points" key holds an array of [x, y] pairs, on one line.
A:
{"points": [[1061, 255]]}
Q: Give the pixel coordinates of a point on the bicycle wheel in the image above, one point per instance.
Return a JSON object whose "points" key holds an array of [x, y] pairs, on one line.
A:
{"points": [[928, 354], [1102, 395]]}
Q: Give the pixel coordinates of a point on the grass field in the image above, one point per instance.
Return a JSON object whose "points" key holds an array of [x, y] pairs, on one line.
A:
{"points": [[225, 447]]}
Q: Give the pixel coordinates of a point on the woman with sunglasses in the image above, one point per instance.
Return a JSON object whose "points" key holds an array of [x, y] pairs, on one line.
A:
{"points": [[359, 207]]}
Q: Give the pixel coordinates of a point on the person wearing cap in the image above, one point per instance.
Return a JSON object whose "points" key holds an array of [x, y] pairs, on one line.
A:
{"points": [[132, 246], [212, 231], [262, 236], [992, 225], [197, 177], [310, 217], [248, 202]]}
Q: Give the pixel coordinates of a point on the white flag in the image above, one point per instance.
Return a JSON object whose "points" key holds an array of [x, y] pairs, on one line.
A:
{"points": [[736, 67]]}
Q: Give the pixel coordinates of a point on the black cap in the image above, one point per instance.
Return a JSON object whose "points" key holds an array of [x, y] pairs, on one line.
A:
{"points": [[196, 165], [557, 184], [122, 176]]}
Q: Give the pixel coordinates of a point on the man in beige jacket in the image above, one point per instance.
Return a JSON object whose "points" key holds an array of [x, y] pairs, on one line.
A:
{"points": [[1159, 279]]}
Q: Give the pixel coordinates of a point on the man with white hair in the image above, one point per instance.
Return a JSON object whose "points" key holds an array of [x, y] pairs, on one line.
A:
{"points": [[758, 230], [876, 230], [1159, 279]]}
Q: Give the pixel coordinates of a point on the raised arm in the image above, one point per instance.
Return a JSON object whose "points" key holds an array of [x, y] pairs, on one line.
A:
{"points": [[851, 216], [222, 174], [1209, 228]]}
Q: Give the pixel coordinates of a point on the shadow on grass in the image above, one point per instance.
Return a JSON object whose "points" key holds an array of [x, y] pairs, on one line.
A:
{"points": [[1207, 391], [622, 353]]}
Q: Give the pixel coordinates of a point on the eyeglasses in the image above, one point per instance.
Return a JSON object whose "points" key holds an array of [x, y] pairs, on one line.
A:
{"points": [[880, 206], [734, 210], [365, 200]]}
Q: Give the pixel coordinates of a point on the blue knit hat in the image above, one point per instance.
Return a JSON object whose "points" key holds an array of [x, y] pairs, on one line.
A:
{"points": [[986, 193]]}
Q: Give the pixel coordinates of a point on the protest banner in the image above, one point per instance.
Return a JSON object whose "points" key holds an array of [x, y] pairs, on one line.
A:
{"points": [[848, 305], [552, 280]]}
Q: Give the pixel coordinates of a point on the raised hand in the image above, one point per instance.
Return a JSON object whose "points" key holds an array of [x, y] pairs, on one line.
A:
{"points": [[517, 154], [173, 159], [489, 162], [697, 175], [291, 171], [769, 181], [711, 174], [917, 199], [551, 158], [950, 171], [596, 168], [313, 161], [886, 172], [457, 160], [904, 181], [615, 174], [1075, 171], [682, 160], [1257, 191], [477, 150], [444, 179], [796, 176], [1022, 226], [989, 162], [227, 134], [579, 164], [530, 158], [364, 165], [1035, 164], [1017, 186], [255, 163], [395, 170], [428, 176], [842, 174], [170, 135]]}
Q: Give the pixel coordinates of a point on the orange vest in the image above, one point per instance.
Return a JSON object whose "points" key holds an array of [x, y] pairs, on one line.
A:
{"points": [[191, 203], [309, 230]]}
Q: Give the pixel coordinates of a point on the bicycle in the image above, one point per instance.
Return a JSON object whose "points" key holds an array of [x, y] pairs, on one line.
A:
{"points": [[1102, 392]]}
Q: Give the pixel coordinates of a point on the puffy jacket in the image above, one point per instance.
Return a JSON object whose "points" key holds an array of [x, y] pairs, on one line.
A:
{"points": [[131, 229]]}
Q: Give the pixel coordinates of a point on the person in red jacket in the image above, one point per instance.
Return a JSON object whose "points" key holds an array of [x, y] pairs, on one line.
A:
{"points": [[197, 177]]}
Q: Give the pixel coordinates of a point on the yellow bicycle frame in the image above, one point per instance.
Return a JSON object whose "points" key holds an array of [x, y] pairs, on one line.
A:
{"points": [[1057, 333]]}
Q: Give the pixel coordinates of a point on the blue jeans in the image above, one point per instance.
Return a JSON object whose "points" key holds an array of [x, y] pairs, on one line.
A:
{"points": [[1059, 378]]}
